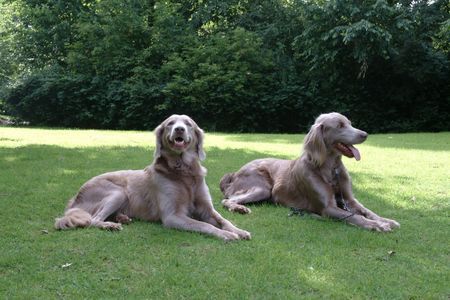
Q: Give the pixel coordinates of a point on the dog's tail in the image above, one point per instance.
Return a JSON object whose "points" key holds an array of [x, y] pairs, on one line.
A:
{"points": [[73, 217], [226, 181]]}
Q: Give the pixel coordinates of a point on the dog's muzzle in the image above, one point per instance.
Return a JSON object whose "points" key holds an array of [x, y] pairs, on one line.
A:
{"points": [[179, 139]]}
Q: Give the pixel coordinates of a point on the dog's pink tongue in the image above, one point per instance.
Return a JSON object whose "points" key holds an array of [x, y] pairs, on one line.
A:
{"points": [[179, 144], [355, 152]]}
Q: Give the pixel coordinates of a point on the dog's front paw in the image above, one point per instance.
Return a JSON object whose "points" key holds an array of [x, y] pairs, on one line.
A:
{"points": [[245, 235], [111, 226], [392, 223], [240, 209], [228, 236], [382, 227]]}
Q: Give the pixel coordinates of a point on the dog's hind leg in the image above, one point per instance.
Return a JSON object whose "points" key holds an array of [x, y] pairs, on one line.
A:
{"points": [[255, 194], [110, 205], [122, 219]]}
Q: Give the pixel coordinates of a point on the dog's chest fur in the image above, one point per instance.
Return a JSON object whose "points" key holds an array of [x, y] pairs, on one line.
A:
{"points": [[176, 170]]}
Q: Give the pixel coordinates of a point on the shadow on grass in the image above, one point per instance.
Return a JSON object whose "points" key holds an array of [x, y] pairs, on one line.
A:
{"points": [[8, 140]]}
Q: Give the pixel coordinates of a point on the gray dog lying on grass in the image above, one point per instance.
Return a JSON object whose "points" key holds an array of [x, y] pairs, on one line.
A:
{"points": [[172, 189], [316, 182]]}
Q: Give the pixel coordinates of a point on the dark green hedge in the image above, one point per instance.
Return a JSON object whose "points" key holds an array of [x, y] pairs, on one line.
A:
{"points": [[265, 66]]}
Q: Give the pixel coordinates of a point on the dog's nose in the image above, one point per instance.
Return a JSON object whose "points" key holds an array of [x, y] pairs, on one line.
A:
{"points": [[363, 135], [179, 129]]}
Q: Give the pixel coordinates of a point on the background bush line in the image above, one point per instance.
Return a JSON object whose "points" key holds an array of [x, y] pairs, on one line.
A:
{"points": [[255, 66]]}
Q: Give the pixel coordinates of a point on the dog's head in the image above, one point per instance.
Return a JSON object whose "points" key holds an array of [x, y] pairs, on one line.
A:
{"points": [[333, 133], [179, 135]]}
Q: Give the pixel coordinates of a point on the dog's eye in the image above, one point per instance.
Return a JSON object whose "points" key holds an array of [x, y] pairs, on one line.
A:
{"points": [[188, 124], [170, 123], [341, 125]]}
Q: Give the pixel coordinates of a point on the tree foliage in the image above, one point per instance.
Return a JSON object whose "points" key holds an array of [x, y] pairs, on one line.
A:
{"points": [[233, 65]]}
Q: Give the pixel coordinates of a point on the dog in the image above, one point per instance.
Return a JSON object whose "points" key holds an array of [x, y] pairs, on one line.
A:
{"points": [[316, 182], [171, 190]]}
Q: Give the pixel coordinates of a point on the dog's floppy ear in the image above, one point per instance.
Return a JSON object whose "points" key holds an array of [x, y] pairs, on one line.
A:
{"points": [[158, 133], [315, 146], [199, 147]]}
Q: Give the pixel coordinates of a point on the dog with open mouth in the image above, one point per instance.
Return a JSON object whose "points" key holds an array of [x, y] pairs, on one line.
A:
{"points": [[171, 190], [316, 182]]}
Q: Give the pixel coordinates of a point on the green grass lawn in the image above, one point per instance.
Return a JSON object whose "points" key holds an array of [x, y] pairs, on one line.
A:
{"points": [[401, 176]]}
